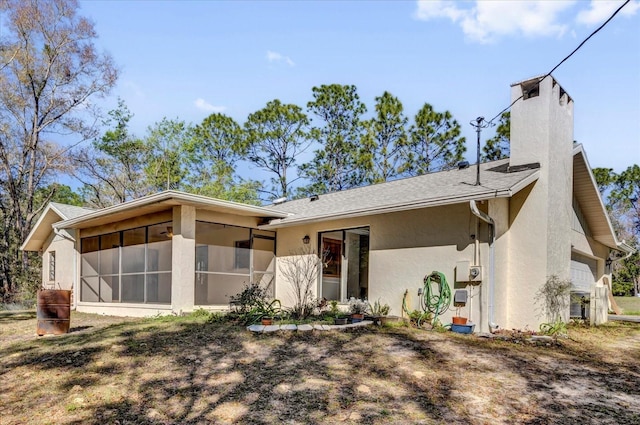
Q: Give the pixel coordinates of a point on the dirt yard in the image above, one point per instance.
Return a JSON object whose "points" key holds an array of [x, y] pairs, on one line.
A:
{"points": [[187, 370]]}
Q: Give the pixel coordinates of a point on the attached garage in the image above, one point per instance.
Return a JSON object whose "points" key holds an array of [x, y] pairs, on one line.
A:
{"points": [[583, 277]]}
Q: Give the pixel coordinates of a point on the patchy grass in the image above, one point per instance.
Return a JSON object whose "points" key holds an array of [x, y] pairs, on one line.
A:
{"points": [[190, 370], [629, 305]]}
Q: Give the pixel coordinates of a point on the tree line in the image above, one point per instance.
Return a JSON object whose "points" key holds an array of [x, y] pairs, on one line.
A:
{"points": [[51, 76], [343, 149]]}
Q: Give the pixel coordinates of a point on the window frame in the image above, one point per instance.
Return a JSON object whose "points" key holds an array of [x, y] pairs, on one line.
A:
{"points": [[52, 266]]}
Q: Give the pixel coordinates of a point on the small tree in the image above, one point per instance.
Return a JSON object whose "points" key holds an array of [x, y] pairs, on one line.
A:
{"points": [[301, 269], [554, 297]]}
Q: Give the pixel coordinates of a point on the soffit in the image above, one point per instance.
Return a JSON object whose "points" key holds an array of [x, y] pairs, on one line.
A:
{"points": [[586, 192]]}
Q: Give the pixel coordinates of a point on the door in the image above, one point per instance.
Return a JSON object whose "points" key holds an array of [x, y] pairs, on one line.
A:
{"points": [[345, 264]]}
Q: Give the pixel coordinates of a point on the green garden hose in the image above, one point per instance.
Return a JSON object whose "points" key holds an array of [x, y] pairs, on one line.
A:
{"points": [[432, 302], [436, 303]]}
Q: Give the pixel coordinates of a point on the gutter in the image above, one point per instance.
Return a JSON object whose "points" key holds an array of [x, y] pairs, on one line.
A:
{"points": [[292, 221], [492, 261], [622, 246]]}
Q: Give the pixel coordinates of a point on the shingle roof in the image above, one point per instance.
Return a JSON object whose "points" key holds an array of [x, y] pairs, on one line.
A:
{"points": [[70, 211], [441, 188]]}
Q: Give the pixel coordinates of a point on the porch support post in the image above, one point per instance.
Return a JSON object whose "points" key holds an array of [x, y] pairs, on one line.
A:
{"points": [[183, 259]]}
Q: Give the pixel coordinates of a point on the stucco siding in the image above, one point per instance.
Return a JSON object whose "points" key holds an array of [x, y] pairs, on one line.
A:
{"points": [[499, 211], [63, 246], [404, 247]]}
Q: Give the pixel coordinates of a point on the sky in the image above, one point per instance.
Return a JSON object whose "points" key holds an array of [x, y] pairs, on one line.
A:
{"points": [[188, 59]]}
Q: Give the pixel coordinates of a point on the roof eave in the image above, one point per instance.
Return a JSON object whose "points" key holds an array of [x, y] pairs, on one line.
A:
{"points": [[488, 194], [29, 243], [609, 239], [183, 197], [386, 209]]}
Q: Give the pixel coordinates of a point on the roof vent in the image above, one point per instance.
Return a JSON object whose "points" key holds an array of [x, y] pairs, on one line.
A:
{"points": [[463, 164], [314, 198], [280, 201]]}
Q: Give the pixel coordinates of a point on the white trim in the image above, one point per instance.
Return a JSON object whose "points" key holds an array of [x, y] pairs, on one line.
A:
{"points": [[425, 203], [49, 207], [199, 200], [159, 306]]}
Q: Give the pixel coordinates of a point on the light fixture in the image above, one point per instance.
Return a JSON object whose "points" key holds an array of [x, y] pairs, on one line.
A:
{"points": [[306, 240], [608, 262], [169, 232]]}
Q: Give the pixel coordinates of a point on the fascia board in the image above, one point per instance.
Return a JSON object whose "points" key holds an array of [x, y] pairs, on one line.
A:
{"points": [[198, 200], [275, 224], [36, 226]]}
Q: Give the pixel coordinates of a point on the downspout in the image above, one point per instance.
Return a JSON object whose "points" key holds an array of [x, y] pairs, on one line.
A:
{"points": [[491, 284], [74, 282]]}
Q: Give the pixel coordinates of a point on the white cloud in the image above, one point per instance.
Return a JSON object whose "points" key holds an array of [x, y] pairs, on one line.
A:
{"points": [[277, 57], [600, 10], [203, 105], [487, 21]]}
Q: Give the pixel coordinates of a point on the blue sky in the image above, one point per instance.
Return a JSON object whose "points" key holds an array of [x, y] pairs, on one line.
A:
{"points": [[188, 59]]}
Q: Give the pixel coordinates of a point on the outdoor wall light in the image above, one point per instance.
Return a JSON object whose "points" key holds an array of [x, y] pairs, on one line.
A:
{"points": [[608, 262], [306, 240]]}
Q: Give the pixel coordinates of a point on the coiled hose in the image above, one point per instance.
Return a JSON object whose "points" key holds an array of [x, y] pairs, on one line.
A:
{"points": [[432, 302]]}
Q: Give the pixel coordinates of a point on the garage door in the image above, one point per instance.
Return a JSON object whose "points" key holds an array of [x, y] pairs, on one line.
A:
{"points": [[583, 273]]}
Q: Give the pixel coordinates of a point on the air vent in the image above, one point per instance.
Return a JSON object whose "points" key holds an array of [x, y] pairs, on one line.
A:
{"points": [[463, 164], [280, 201], [314, 198]]}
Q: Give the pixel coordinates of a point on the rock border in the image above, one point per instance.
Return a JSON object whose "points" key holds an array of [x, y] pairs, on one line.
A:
{"points": [[306, 328]]}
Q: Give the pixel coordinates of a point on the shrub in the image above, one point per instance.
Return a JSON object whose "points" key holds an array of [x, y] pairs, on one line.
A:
{"points": [[554, 297], [252, 295], [357, 306], [254, 303], [379, 309]]}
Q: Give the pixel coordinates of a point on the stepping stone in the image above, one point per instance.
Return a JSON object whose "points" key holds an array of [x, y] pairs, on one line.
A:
{"points": [[305, 328], [271, 328], [255, 328], [321, 327], [288, 327]]}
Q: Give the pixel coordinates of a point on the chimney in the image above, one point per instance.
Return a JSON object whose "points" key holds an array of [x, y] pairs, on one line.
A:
{"points": [[541, 122], [542, 132]]}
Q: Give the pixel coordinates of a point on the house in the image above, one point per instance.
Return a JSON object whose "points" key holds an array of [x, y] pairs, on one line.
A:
{"points": [[533, 215]]}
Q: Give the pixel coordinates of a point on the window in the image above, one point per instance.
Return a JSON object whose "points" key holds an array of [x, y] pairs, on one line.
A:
{"points": [[229, 258], [52, 265], [129, 266], [331, 257]]}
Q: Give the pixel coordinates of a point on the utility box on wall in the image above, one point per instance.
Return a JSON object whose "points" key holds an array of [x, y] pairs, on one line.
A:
{"points": [[466, 272], [462, 271]]}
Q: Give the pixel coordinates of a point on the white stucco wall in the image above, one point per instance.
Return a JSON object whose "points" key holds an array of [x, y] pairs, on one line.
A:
{"points": [[63, 245], [404, 247]]}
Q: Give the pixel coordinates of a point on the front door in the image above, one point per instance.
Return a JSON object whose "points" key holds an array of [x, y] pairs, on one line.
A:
{"points": [[345, 264]]}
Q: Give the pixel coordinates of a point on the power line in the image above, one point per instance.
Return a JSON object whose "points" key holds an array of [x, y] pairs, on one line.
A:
{"points": [[563, 60]]}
